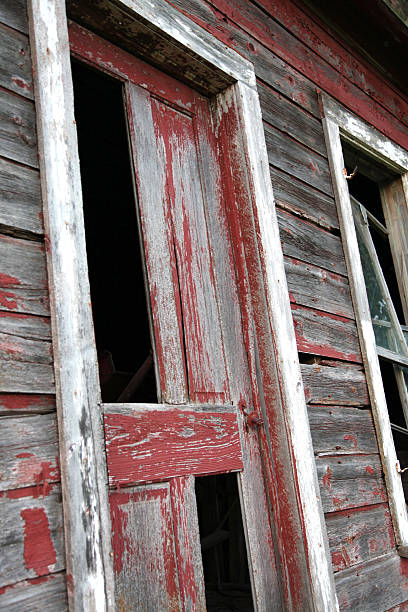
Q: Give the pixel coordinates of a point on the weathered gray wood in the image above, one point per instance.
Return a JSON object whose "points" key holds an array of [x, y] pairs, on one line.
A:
{"points": [[317, 288], [319, 333], [296, 159], [24, 325], [342, 430], [48, 595], [373, 585], [350, 481], [15, 63], [18, 140], [28, 451], [333, 385], [310, 243], [293, 195], [16, 348], [31, 537], [83, 462], [358, 535], [24, 377], [20, 198], [20, 404], [14, 14]]}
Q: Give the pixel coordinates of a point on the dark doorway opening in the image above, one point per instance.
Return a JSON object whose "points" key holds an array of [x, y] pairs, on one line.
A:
{"points": [[115, 261], [225, 563]]}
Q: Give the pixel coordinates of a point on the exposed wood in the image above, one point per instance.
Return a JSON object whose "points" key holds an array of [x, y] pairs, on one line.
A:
{"points": [[20, 201], [350, 481], [83, 466], [338, 430], [18, 140], [309, 243], [28, 451], [32, 535], [301, 199], [14, 14], [317, 288], [334, 385], [16, 348], [392, 357], [25, 377], [15, 63], [26, 404], [362, 310], [47, 593], [147, 443], [358, 535], [319, 333], [292, 157], [24, 325], [378, 584]]}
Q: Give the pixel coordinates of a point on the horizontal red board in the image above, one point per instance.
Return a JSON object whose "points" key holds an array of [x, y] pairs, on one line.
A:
{"points": [[151, 445]]}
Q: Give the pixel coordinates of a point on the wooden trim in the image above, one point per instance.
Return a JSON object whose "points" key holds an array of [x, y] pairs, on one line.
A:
{"points": [[82, 456], [76, 362], [334, 124]]}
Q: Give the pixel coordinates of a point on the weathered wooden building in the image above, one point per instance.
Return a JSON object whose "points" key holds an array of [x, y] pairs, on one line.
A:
{"points": [[224, 424]]}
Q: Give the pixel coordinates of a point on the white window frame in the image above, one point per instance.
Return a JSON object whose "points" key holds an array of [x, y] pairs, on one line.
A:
{"points": [[339, 123], [86, 511]]}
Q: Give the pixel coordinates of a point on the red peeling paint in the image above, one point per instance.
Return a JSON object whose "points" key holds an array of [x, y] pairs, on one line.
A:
{"points": [[36, 491], [24, 455], [23, 403], [8, 300], [327, 478], [22, 84], [369, 469], [8, 281], [352, 438], [39, 552]]}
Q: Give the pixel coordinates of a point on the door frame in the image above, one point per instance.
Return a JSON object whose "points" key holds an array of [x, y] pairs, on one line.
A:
{"points": [[198, 58]]}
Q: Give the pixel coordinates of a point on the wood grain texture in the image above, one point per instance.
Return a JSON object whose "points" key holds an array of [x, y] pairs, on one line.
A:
{"points": [[319, 333], [155, 443], [48, 593], [317, 288], [18, 139], [355, 536], [334, 385], [338, 430], [32, 535], [26, 377], [25, 338], [15, 63], [21, 404], [378, 584], [350, 481], [28, 451], [20, 201], [307, 242], [14, 14], [301, 199]]}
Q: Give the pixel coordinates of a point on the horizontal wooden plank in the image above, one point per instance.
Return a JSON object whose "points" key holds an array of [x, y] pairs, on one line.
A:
{"points": [[17, 348], [26, 404], [15, 63], [282, 113], [358, 535], [28, 451], [319, 333], [31, 537], [48, 594], [28, 326], [24, 377], [342, 430], [301, 199], [152, 443], [20, 198], [334, 385], [18, 140], [350, 481], [378, 584], [309, 243], [317, 288], [294, 158], [14, 14]]}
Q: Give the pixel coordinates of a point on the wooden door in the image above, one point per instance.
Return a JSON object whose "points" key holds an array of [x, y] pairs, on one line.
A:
{"points": [[155, 451]]}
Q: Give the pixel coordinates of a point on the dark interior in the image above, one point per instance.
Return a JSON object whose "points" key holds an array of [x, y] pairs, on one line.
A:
{"points": [[115, 261]]}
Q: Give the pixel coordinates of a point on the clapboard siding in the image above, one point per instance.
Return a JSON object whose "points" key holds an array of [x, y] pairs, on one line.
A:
{"points": [[45, 594], [14, 14], [31, 538], [359, 534], [15, 62], [20, 198], [24, 404], [317, 288], [334, 385], [18, 139]]}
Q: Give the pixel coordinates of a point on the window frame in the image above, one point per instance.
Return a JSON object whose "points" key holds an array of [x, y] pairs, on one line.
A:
{"points": [[339, 123]]}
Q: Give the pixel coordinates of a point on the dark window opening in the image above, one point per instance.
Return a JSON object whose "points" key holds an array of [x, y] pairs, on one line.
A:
{"points": [[115, 261], [223, 547]]}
